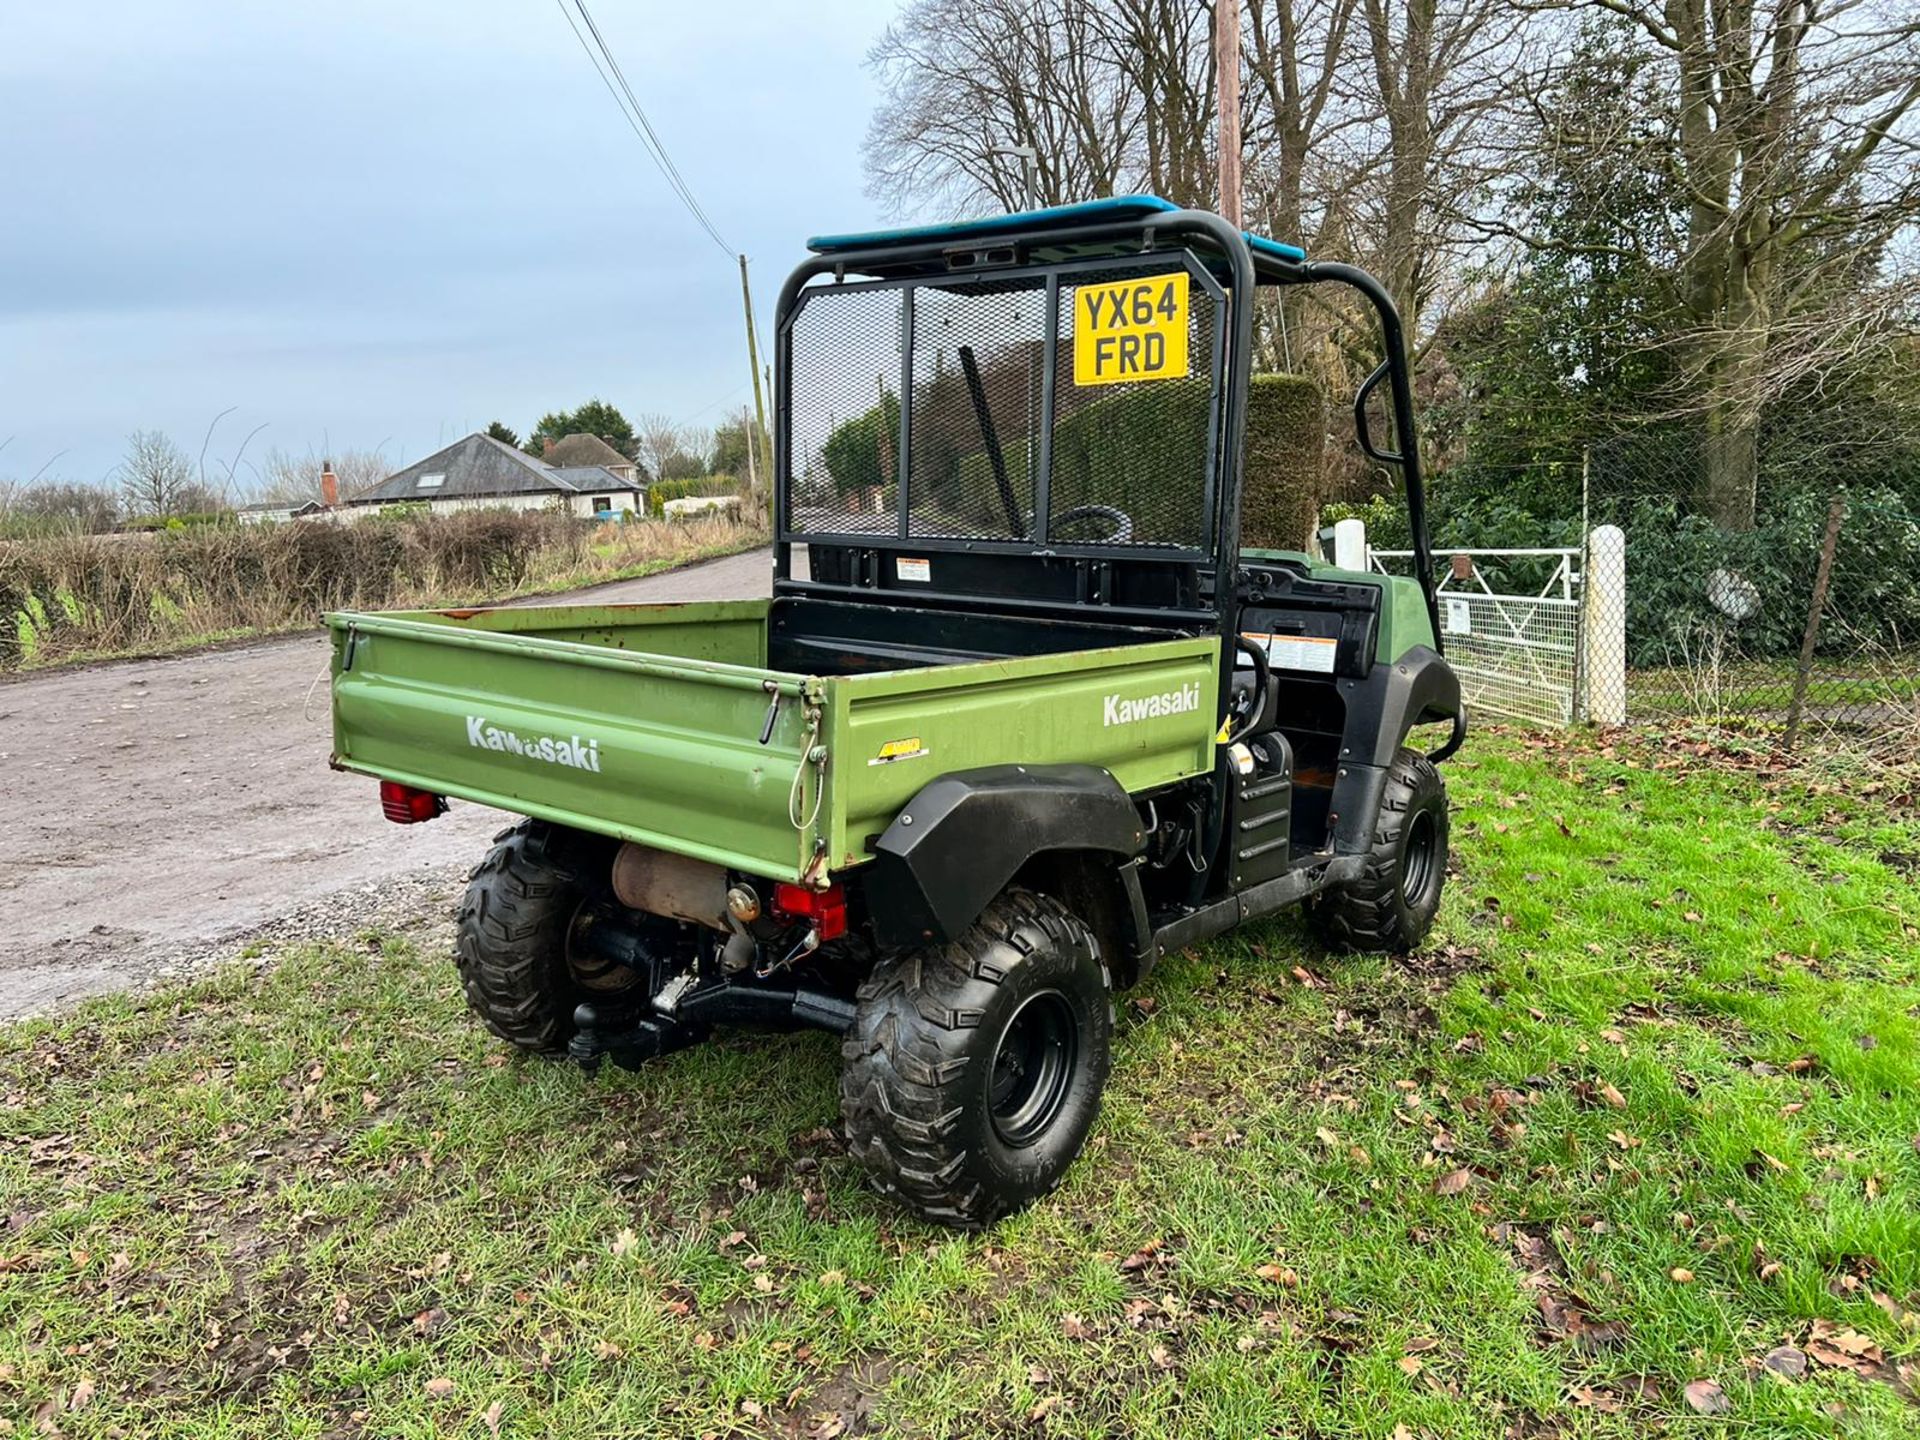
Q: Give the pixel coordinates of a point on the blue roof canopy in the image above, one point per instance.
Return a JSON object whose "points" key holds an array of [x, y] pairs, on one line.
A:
{"points": [[1119, 207]]}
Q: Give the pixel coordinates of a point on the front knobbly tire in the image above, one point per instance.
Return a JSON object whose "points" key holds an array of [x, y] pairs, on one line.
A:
{"points": [[510, 943], [918, 1062], [1376, 910]]}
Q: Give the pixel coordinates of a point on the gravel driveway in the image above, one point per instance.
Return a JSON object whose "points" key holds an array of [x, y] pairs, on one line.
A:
{"points": [[155, 812]]}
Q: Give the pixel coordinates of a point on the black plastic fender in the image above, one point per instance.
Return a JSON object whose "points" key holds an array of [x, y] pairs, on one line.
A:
{"points": [[1417, 689], [957, 843]]}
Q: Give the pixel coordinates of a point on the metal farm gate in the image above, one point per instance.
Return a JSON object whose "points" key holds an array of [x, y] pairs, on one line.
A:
{"points": [[1512, 624]]}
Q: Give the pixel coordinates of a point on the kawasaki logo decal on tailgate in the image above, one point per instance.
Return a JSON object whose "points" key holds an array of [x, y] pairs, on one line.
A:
{"points": [[1149, 707], [571, 751]]}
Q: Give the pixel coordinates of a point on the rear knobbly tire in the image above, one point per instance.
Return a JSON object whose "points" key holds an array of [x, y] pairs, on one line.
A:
{"points": [[973, 1072], [510, 944], [1392, 904]]}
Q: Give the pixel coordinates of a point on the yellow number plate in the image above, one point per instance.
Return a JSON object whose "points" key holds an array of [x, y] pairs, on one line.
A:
{"points": [[1130, 330]]}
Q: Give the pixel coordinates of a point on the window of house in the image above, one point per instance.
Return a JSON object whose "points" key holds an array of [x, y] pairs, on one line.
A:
{"points": [[430, 482], [603, 504]]}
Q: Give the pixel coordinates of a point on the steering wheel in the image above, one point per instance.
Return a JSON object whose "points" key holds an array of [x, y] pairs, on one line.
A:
{"points": [[1256, 715], [1121, 522]]}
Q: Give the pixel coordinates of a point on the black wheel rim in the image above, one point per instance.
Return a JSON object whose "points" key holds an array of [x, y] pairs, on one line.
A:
{"points": [[1420, 861], [1032, 1067], [594, 972]]}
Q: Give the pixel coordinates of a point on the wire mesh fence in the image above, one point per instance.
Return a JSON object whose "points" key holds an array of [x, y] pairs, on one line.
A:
{"points": [[1790, 612]]}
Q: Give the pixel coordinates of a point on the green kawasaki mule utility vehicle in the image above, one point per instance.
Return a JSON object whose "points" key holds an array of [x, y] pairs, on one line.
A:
{"points": [[1020, 717]]}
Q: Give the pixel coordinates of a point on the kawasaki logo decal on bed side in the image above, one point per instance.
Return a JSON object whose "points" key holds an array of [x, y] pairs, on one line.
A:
{"points": [[1152, 707], [571, 751]]}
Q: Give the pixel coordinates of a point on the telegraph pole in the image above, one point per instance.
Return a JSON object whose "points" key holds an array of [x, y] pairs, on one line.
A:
{"points": [[759, 401], [1226, 71]]}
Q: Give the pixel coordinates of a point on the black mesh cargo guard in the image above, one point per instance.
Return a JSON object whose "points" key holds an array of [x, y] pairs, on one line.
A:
{"points": [[1041, 412], [1006, 432]]}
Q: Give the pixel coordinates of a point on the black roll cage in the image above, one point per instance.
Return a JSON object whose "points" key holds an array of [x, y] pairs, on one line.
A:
{"points": [[1246, 267]]}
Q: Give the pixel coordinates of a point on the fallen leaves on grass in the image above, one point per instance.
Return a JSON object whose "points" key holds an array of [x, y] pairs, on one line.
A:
{"points": [[1707, 1398], [439, 1387], [1563, 1312], [1843, 1349], [491, 1417], [1150, 1255], [626, 1242], [1453, 1182], [428, 1322], [1680, 1275], [1786, 1361], [1279, 1275]]}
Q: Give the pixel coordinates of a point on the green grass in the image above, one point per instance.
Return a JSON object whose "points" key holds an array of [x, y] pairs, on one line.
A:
{"points": [[1668, 1024], [1765, 687]]}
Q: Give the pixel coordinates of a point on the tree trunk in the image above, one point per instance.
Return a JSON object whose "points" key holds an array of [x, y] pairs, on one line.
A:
{"points": [[1731, 455], [1735, 373]]}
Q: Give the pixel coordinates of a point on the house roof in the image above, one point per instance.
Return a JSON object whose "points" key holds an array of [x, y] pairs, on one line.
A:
{"points": [[281, 507], [593, 477], [479, 467], [580, 448]]}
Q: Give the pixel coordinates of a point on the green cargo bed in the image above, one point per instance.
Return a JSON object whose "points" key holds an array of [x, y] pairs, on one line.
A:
{"points": [[663, 724]]}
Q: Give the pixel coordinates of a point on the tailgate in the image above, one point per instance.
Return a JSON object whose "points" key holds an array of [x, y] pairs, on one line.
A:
{"points": [[659, 749]]}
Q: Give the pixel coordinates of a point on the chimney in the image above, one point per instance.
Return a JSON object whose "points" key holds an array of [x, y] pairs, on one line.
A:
{"points": [[329, 485]]}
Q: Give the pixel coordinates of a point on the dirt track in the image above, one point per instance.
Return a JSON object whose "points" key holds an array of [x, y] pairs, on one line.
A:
{"points": [[155, 811]]}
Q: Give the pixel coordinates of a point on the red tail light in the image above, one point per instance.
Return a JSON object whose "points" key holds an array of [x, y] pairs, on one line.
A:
{"points": [[404, 805], [827, 908]]}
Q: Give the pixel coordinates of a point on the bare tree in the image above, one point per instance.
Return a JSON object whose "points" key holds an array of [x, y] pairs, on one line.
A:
{"points": [[1437, 74], [1295, 50], [668, 449], [288, 479], [1112, 95], [1791, 131], [156, 478], [963, 88], [62, 506]]}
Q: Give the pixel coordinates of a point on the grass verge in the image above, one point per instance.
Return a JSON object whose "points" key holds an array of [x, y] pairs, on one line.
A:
{"points": [[1629, 1150], [90, 598]]}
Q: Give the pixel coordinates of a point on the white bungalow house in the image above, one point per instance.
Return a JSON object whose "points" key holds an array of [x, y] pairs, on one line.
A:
{"points": [[481, 473]]}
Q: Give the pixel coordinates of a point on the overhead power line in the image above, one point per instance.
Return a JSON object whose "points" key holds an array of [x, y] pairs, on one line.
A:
{"points": [[600, 56]]}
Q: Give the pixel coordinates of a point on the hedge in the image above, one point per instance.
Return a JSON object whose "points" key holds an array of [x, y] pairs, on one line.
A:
{"points": [[662, 491], [1120, 452], [1286, 462], [1139, 451]]}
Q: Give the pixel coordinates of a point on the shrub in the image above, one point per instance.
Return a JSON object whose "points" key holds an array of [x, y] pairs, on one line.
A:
{"points": [[113, 593], [662, 491], [1286, 461], [180, 522], [859, 453]]}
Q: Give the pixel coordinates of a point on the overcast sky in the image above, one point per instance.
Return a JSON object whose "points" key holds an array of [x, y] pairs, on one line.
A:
{"points": [[367, 223]]}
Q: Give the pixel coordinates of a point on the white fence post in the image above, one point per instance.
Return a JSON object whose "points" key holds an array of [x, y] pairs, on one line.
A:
{"points": [[1350, 544], [1605, 603]]}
